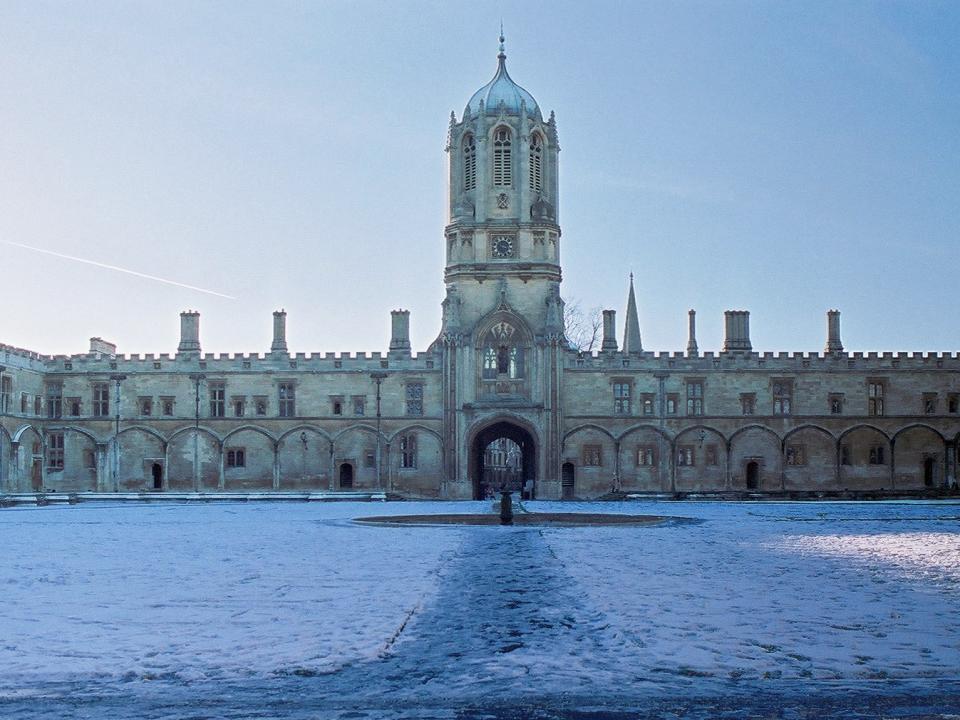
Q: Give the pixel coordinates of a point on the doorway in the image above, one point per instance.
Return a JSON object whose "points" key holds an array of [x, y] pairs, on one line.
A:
{"points": [[157, 472], [503, 457], [346, 476], [36, 474], [929, 466], [753, 475], [567, 481]]}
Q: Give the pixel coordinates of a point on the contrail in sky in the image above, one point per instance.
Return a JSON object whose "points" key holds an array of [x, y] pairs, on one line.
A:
{"points": [[118, 269]]}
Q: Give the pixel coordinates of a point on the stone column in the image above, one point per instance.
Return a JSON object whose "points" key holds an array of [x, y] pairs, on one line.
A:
{"points": [[102, 454], [14, 472], [727, 484], [617, 480], [165, 478], [196, 460], [333, 469], [389, 487], [276, 466], [949, 465]]}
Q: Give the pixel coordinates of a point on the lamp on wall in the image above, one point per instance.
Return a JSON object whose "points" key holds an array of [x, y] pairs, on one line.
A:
{"points": [[197, 379], [3, 398], [117, 379], [378, 377]]}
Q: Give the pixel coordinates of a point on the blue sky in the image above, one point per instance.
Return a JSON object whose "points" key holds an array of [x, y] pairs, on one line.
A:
{"points": [[785, 158]]}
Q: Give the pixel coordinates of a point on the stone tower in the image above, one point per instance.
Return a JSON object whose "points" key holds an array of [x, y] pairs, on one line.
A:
{"points": [[502, 200], [503, 316]]}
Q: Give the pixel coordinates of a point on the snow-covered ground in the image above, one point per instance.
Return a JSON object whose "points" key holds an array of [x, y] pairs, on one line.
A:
{"points": [[291, 610]]}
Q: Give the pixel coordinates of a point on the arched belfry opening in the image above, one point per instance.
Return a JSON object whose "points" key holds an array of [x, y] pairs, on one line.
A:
{"points": [[503, 457]]}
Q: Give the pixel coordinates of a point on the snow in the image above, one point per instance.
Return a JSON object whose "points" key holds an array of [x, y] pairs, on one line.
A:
{"points": [[294, 600], [774, 591], [204, 590]]}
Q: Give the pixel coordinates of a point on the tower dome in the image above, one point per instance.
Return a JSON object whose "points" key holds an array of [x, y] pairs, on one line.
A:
{"points": [[502, 89]]}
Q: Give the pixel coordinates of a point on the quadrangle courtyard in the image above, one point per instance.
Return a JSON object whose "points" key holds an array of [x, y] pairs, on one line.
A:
{"points": [[293, 610]]}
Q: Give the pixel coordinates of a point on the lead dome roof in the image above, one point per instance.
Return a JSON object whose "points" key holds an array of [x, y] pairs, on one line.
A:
{"points": [[502, 89]]}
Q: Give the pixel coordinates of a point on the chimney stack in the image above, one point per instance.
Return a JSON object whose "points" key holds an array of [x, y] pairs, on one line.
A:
{"points": [[279, 344], [692, 349], [609, 331], [102, 347], [189, 332], [400, 331], [738, 331], [833, 332]]}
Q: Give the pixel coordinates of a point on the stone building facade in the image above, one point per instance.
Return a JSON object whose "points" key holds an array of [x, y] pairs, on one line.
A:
{"points": [[501, 373]]}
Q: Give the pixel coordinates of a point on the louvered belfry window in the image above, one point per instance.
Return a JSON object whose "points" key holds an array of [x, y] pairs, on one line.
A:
{"points": [[536, 163], [502, 175], [469, 163]]}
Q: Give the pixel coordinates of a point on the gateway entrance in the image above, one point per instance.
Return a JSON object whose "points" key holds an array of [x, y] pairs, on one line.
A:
{"points": [[503, 457]]}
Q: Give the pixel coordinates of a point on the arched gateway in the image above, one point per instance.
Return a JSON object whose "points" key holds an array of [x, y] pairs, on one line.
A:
{"points": [[503, 456]]}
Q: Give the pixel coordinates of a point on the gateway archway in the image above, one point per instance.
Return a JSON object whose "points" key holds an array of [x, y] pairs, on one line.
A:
{"points": [[503, 456]]}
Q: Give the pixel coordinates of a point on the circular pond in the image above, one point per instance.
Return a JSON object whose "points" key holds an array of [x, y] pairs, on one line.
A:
{"points": [[524, 519]]}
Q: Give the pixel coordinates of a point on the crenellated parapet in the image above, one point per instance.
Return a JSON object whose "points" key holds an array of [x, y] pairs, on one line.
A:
{"points": [[768, 361], [16, 357], [239, 362]]}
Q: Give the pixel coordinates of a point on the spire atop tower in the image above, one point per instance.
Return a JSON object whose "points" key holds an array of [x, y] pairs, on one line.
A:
{"points": [[631, 328], [503, 52]]}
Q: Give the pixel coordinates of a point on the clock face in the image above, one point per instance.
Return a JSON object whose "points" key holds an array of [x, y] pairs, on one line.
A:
{"points": [[502, 246]]}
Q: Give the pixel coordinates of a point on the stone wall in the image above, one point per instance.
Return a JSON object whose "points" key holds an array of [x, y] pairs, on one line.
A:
{"points": [[910, 445], [331, 442]]}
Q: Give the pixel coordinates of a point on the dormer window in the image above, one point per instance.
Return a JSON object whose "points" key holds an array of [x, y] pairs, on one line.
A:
{"points": [[536, 162], [502, 174], [469, 163]]}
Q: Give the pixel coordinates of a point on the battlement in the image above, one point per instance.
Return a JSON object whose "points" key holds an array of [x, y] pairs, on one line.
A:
{"points": [[799, 361], [21, 358], [238, 362]]}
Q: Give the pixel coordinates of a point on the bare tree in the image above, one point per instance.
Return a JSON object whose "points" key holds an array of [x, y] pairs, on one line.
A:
{"points": [[583, 328]]}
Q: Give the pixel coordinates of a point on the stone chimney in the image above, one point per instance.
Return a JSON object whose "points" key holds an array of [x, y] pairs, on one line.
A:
{"points": [[738, 331], [400, 331], [102, 347], [609, 331], [692, 349], [279, 344], [189, 332], [833, 332]]}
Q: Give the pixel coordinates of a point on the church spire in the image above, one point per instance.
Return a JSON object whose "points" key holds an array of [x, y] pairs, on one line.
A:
{"points": [[631, 329]]}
